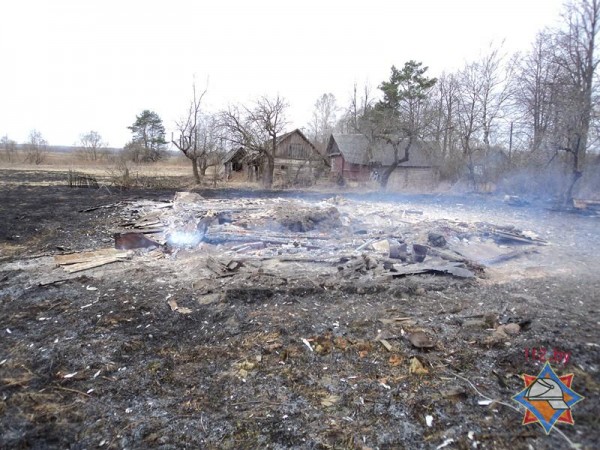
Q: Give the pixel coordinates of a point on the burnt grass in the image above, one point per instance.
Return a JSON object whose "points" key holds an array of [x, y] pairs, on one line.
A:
{"points": [[99, 360]]}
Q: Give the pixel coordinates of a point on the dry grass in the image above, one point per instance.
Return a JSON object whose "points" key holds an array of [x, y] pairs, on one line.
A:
{"points": [[174, 165], [173, 171]]}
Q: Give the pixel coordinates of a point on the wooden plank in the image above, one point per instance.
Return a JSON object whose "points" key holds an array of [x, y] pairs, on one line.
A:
{"points": [[147, 224], [78, 267], [74, 258], [415, 269], [90, 265]]}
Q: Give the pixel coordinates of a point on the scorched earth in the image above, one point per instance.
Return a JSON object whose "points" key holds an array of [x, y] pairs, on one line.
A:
{"points": [[289, 320]]}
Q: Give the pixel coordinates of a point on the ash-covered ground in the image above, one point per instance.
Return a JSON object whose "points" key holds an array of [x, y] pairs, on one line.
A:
{"points": [[300, 320]]}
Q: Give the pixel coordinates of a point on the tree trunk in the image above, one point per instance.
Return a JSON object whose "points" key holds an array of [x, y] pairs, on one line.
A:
{"points": [[268, 172], [575, 176], [472, 174], [385, 176], [576, 173], [195, 169]]}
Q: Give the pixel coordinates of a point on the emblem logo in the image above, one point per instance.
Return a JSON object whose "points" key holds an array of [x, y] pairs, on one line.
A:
{"points": [[548, 398]]}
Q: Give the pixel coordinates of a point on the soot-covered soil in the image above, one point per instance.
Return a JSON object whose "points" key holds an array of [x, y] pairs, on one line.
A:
{"points": [[99, 359]]}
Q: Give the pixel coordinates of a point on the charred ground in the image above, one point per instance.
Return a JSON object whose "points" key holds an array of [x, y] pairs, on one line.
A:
{"points": [[99, 358]]}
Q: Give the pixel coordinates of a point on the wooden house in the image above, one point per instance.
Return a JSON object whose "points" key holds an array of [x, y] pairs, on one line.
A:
{"points": [[297, 161], [355, 158]]}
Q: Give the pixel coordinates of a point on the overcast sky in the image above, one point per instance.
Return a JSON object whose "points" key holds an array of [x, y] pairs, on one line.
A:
{"points": [[70, 66]]}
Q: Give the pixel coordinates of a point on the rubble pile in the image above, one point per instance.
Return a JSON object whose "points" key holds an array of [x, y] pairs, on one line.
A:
{"points": [[330, 242]]}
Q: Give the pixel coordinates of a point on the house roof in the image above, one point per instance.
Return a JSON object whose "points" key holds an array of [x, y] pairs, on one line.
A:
{"points": [[356, 149], [233, 153], [284, 136], [352, 146], [250, 156]]}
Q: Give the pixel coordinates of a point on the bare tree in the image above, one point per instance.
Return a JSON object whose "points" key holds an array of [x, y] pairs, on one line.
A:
{"points": [[215, 159], [535, 97], [358, 108], [189, 140], [445, 110], [9, 149], [323, 119], [443, 129], [36, 148], [257, 130], [484, 92], [576, 55], [496, 73], [209, 139], [269, 113], [91, 145], [469, 112]]}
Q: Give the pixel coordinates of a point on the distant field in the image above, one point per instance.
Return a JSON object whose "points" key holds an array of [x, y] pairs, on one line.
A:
{"points": [[68, 160], [172, 166]]}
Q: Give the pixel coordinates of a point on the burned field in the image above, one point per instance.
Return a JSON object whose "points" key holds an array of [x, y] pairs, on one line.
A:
{"points": [[271, 320]]}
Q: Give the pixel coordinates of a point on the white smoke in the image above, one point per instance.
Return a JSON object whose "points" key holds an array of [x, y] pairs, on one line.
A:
{"points": [[184, 239]]}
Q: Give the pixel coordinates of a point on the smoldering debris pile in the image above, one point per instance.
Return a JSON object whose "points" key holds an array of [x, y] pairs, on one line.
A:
{"points": [[326, 243]]}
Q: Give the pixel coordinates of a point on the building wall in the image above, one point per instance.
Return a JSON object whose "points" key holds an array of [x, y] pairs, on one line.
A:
{"points": [[413, 179], [357, 172], [289, 172], [351, 172], [297, 162], [295, 147], [337, 163]]}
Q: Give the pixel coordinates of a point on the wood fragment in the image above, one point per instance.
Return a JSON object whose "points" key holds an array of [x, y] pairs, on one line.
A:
{"points": [[448, 255], [365, 245], [453, 269], [394, 320], [215, 266], [94, 208], [514, 238], [76, 262], [386, 344], [53, 282], [91, 264], [73, 258], [85, 394]]}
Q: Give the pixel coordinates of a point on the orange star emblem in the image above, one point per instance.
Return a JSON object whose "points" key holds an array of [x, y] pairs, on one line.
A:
{"points": [[548, 398]]}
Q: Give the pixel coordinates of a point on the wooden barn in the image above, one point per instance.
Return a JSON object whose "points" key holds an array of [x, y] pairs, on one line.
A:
{"points": [[297, 162], [234, 164], [349, 157], [354, 158]]}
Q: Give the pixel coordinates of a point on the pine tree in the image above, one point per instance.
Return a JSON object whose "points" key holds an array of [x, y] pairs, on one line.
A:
{"points": [[149, 136]]}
